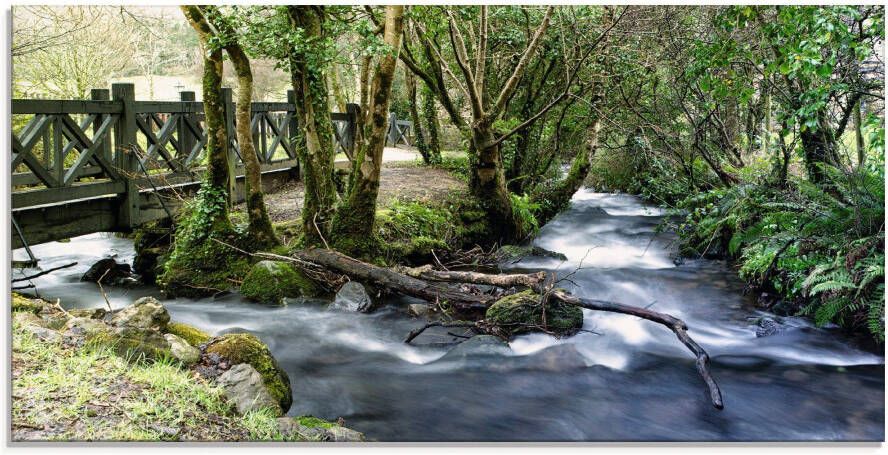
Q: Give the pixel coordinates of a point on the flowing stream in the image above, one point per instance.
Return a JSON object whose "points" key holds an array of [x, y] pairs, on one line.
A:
{"points": [[621, 379]]}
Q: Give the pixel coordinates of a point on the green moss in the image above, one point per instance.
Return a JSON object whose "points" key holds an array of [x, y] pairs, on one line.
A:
{"points": [[522, 313], [191, 334], [25, 304], [314, 422], [134, 345], [246, 348], [271, 281]]}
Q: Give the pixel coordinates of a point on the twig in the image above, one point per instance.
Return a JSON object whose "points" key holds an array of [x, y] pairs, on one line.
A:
{"points": [[314, 221], [31, 277], [416, 332], [102, 290]]}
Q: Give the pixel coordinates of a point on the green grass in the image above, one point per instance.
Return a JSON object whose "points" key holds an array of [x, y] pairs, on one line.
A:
{"points": [[89, 393]]}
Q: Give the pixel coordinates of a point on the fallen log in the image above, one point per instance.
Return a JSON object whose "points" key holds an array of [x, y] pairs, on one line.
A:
{"points": [[424, 283], [393, 280]]}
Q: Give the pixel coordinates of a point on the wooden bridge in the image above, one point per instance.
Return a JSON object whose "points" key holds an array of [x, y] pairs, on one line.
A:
{"points": [[112, 163]]}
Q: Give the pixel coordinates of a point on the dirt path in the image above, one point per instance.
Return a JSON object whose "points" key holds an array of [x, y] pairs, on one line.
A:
{"points": [[399, 181]]}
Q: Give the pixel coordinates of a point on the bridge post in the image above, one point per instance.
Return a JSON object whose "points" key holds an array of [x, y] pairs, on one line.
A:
{"points": [[125, 156], [393, 129], [292, 129], [228, 105], [187, 139], [101, 94], [351, 133]]}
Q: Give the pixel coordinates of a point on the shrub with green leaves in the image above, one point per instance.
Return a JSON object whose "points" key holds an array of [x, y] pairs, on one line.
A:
{"points": [[820, 247]]}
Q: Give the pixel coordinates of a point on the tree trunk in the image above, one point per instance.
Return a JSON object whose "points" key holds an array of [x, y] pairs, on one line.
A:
{"points": [[217, 174], [354, 223], [260, 228], [487, 183], [316, 152], [554, 199], [430, 118], [858, 136], [419, 140], [819, 150], [336, 85]]}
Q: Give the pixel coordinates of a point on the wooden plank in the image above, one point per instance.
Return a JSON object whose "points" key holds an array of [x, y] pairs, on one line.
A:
{"points": [[167, 107], [47, 196], [23, 106], [46, 224], [271, 107], [28, 178]]}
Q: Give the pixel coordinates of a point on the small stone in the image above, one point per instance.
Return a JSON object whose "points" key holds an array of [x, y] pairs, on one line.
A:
{"points": [[418, 309], [343, 434], [290, 426], [144, 313], [352, 297], [244, 387], [90, 313], [181, 350]]}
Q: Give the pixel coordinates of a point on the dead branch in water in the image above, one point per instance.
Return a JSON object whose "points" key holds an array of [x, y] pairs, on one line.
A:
{"points": [[463, 324], [31, 277], [672, 323]]}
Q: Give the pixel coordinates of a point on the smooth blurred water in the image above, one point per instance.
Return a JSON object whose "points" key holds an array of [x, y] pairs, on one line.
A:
{"points": [[624, 379]]}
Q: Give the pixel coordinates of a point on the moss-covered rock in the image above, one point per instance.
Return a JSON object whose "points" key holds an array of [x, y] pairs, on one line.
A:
{"points": [[21, 303], [91, 313], [191, 334], [144, 313], [271, 281], [246, 348], [137, 344], [522, 313]]}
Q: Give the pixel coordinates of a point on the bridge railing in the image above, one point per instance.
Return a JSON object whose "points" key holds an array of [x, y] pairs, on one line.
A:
{"points": [[112, 144]]}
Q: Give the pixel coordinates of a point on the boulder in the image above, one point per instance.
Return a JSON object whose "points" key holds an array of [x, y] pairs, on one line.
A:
{"points": [[192, 335], [243, 386], [113, 272], [144, 313], [522, 313], [181, 350], [272, 281], [87, 327], [237, 348], [137, 344], [352, 297]]}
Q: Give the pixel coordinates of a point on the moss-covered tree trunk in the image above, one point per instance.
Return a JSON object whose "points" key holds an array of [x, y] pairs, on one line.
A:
{"points": [[555, 198], [487, 182], [217, 174], [430, 118], [317, 151], [354, 223], [260, 228], [419, 137], [199, 266], [819, 149]]}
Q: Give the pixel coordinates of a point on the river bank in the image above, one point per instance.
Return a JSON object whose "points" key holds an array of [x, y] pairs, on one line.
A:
{"points": [[92, 375]]}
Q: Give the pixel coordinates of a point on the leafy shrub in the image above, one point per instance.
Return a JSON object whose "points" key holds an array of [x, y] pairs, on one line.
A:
{"points": [[821, 248], [525, 211]]}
